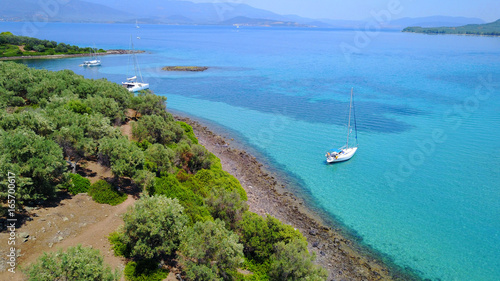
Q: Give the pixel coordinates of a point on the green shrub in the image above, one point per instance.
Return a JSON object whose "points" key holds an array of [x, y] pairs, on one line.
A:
{"points": [[158, 158], [259, 235], [143, 145], [292, 261], [150, 104], [78, 184], [78, 106], [122, 155], [77, 263], [189, 131], [155, 129], [153, 226], [192, 157], [120, 248], [194, 206], [259, 271], [145, 270], [104, 193], [217, 178], [145, 180], [226, 206], [209, 251]]}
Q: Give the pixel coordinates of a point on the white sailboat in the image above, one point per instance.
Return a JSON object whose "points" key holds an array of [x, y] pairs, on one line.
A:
{"points": [[95, 60], [132, 84], [346, 152]]}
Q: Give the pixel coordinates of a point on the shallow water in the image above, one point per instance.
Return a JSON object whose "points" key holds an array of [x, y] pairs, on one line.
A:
{"points": [[422, 189]]}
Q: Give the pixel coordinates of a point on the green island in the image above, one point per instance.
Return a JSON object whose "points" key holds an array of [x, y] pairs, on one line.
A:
{"points": [[184, 68], [488, 29], [17, 46], [187, 213]]}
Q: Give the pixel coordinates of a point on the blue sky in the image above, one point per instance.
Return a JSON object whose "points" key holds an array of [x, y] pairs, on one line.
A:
{"points": [[488, 10]]}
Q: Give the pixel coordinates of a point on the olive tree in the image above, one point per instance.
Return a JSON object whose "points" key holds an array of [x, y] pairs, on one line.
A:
{"points": [[37, 163], [226, 205], [123, 156], [291, 261], [156, 129], [153, 226], [209, 251], [77, 263]]}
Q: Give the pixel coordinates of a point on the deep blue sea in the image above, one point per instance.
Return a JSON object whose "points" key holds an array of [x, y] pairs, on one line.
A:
{"points": [[424, 186]]}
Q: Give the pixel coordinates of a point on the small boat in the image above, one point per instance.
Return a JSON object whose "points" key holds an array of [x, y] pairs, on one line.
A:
{"points": [[346, 152], [95, 60], [91, 63], [132, 84]]}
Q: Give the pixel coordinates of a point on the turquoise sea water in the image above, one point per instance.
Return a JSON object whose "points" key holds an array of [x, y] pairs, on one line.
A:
{"points": [[424, 186]]}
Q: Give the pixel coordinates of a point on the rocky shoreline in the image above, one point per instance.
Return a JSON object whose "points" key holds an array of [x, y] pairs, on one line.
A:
{"points": [[108, 52], [267, 194]]}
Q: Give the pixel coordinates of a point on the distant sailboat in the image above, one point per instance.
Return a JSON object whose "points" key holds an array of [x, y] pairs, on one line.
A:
{"points": [[137, 24], [346, 152], [95, 60], [132, 84]]}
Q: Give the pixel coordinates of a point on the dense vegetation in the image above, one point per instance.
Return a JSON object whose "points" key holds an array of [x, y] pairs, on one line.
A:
{"points": [[489, 29], [10, 47], [190, 211], [77, 263]]}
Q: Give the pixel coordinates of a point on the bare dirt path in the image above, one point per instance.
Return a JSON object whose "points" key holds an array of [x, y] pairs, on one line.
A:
{"points": [[76, 220]]}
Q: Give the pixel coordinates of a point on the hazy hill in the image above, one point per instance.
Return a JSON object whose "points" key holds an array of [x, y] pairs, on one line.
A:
{"points": [[201, 13], [186, 12], [73, 11], [491, 29], [433, 21]]}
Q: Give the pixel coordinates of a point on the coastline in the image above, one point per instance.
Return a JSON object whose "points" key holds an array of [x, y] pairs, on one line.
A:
{"points": [[456, 34], [344, 258], [108, 52]]}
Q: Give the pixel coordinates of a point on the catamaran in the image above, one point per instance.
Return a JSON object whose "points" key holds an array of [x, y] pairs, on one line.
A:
{"points": [[346, 152], [95, 60], [132, 84]]}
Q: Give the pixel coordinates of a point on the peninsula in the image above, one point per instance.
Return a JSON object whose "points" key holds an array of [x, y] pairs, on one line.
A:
{"points": [[22, 47], [488, 29]]}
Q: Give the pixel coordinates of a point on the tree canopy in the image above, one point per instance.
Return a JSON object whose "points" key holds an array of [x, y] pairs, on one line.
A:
{"points": [[291, 261], [209, 251], [36, 161], [77, 263], [9, 46], [153, 226]]}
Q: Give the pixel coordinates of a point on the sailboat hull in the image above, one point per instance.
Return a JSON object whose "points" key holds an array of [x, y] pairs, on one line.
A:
{"points": [[135, 86], [92, 63], [344, 155]]}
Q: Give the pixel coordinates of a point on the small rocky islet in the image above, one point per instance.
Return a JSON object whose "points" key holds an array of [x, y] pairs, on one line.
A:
{"points": [[185, 68]]}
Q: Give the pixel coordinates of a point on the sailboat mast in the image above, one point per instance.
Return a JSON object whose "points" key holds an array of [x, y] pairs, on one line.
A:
{"points": [[349, 123], [137, 70]]}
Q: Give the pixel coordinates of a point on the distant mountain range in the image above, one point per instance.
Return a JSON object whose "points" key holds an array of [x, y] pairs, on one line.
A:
{"points": [[185, 12], [72, 11]]}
